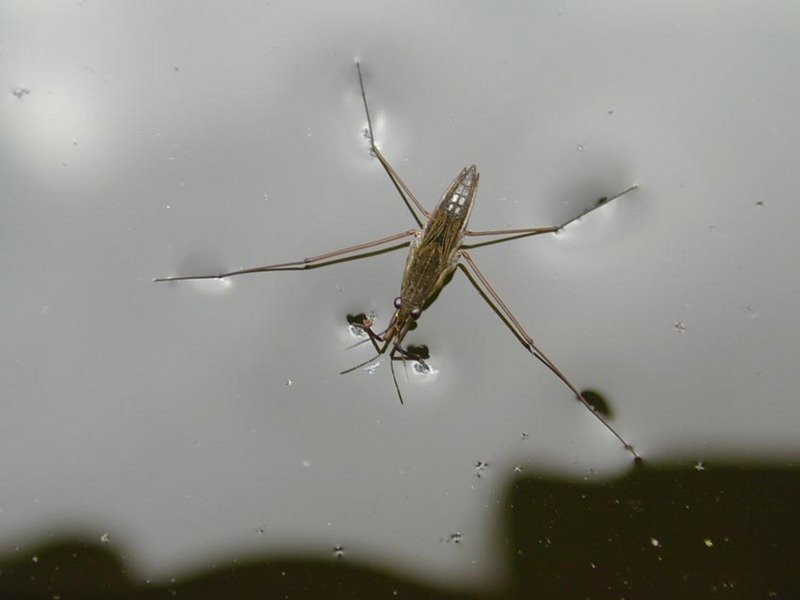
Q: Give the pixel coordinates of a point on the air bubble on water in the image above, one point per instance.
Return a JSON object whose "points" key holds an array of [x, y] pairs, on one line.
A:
{"points": [[289, 383], [357, 332], [581, 147], [338, 551], [480, 468], [423, 369]]}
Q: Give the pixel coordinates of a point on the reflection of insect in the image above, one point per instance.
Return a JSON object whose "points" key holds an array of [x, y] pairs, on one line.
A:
{"points": [[434, 253]]}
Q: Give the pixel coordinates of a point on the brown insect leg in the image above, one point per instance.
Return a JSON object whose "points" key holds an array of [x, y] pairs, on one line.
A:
{"points": [[398, 182], [298, 264], [527, 341]]}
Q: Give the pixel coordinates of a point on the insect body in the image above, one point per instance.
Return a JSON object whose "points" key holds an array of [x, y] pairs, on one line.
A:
{"points": [[435, 252]]}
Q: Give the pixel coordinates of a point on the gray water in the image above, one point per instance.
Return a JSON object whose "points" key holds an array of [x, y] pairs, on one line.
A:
{"points": [[192, 424]]}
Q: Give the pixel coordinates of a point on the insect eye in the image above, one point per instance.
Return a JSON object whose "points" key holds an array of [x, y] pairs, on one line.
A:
{"points": [[398, 302], [415, 313]]}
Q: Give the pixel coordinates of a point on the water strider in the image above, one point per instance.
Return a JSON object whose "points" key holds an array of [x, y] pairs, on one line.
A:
{"points": [[435, 251]]}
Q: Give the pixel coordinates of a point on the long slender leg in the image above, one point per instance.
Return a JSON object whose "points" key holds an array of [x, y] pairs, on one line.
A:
{"points": [[299, 264], [537, 230], [401, 186], [515, 232], [520, 332], [598, 204]]}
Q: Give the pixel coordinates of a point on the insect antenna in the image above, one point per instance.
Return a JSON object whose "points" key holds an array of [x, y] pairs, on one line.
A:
{"points": [[394, 378]]}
